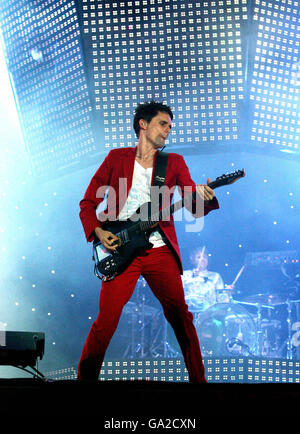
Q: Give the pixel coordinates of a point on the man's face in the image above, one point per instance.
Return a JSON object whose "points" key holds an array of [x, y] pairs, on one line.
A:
{"points": [[158, 129], [200, 260]]}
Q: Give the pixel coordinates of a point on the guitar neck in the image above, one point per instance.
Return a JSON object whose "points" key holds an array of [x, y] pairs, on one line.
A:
{"points": [[187, 200], [166, 212], [180, 203]]}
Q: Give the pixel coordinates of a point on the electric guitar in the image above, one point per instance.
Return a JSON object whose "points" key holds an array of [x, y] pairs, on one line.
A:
{"points": [[133, 233]]}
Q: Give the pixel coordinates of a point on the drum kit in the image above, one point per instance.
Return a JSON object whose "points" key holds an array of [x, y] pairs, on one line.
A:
{"points": [[260, 325]]}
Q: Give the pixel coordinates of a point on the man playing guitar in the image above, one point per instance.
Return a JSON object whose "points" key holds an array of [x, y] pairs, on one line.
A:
{"points": [[128, 175]]}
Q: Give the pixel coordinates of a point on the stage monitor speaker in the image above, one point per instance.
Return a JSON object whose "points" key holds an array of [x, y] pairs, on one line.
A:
{"points": [[21, 348]]}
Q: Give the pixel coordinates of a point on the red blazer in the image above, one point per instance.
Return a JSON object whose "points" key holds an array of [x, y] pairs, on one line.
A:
{"points": [[115, 175]]}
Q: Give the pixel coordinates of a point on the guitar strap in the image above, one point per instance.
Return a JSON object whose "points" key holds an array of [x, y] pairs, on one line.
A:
{"points": [[160, 170], [159, 175]]}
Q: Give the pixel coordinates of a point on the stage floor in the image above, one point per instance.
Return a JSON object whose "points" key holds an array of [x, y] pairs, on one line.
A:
{"points": [[148, 406]]}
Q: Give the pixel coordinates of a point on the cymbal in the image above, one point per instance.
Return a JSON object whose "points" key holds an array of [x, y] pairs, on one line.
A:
{"points": [[273, 299], [247, 303]]}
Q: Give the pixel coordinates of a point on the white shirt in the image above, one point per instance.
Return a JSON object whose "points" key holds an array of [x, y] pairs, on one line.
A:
{"points": [[138, 195]]}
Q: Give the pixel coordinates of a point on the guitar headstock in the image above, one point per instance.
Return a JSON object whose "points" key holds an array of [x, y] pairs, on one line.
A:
{"points": [[228, 178]]}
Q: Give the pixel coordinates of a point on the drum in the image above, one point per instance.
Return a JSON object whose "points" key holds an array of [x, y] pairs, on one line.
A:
{"points": [[226, 329], [198, 298], [196, 303]]}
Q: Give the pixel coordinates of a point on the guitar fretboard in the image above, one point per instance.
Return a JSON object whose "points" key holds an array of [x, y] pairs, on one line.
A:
{"points": [[185, 201]]}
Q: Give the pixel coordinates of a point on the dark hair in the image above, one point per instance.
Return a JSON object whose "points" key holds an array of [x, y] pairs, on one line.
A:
{"points": [[147, 111]]}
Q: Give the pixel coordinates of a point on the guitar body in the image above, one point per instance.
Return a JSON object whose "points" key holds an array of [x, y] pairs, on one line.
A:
{"points": [[133, 238]]}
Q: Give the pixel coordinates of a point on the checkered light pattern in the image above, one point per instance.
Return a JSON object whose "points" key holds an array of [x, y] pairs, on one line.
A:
{"points": [[188, 54], [228, 68], [276, 74], [217, 369], [44, 57]]}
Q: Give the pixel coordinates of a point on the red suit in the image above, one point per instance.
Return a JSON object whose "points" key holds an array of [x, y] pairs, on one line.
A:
{"points": [[161, 266]]}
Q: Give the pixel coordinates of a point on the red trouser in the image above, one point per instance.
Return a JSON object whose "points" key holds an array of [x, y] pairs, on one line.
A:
{"points": [[159, 268]]}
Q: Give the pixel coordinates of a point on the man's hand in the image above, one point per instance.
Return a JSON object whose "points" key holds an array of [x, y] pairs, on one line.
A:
{"points": [[108, 239], [204, 191]]}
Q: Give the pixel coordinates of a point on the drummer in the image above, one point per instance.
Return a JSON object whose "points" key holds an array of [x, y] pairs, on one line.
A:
{"points": [[203, 288]]}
